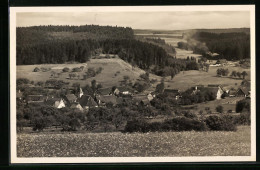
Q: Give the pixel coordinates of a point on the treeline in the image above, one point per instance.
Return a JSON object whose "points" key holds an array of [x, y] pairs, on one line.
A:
{"points": [[231, 46], [26, 34]]}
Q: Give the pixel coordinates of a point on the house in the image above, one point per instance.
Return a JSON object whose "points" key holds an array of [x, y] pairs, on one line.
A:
{"points": [[103, 100], [215, 89], [123, 90], [242, 92], [56, 102], [87, 102], [70, 98], [141, 99], [35, 99], [173, 92], [76, 105], [104, 91], [222, 62]]}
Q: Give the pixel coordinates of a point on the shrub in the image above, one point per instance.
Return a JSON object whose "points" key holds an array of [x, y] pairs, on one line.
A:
{"points": [[66, 69], [219, 109], [74, 124], [187, 124], [243, 105], [36, 69], [135, 126], [229, 111], [43, 69], [224, 123], [76, 69], [190, 115], [243, 119]]}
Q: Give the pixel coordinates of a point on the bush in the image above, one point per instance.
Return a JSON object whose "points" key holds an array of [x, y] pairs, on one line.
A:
{"points": [[224, 123], [36, 69], [76, 69], [243, 119], [66, 69], [187, 124], [219, 109], [175, 124], [190, 115], [243, 105]]}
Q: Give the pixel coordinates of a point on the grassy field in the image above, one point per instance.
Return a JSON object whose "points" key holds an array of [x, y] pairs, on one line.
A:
{"points": [[228, 103], [117, 144], [191, 78], [113, 72]]}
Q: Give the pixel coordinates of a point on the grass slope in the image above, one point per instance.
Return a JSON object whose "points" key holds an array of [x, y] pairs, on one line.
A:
{"points": [[137, 144], [107, 77]]}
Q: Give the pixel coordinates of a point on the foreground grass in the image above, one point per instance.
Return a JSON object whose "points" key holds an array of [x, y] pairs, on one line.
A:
{"points": [[117, 144]]}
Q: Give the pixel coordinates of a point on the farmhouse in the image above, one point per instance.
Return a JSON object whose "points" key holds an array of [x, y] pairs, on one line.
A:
{"points": [[87, 102], [215, 89], [76, 105], [242, 92], [56, 102], [141, 99], [222, 62], [103, 100], [173, 92], [104, 91], [70, 98], [123, 90]]}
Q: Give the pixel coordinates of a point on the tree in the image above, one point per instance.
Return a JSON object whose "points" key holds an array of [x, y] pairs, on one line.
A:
{"points": [[233, 74], [219, 109], [66, 69], [94, 85], [238, 74], [160, 87], [244, 74]]}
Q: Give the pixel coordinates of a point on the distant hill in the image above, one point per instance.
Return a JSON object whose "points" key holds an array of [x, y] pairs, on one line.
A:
{"points": [[218, 31]]}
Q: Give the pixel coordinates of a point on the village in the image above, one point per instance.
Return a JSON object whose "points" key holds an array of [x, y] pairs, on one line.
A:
{"points": [[74, 97]]}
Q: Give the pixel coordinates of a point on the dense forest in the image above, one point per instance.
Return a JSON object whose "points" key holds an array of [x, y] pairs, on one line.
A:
{"points": [[61, 44], [231, 46]]}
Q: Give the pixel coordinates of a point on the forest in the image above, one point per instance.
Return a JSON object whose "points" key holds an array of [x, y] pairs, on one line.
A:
{"points": [[37, 45], [231, 46]]}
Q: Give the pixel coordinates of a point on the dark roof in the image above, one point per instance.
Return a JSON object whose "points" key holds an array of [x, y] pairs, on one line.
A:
{"points": [[51, 101], [71, 97], [104, 91], [108, 99], [214, 90], [87, 100], [213, 85], [125, 88], [245, 90], [73, 105]]}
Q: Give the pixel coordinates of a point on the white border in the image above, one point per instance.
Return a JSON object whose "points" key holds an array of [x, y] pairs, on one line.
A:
{"points": [[13, 151]]}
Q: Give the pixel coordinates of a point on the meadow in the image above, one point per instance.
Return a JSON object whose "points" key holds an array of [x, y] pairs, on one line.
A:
{"points": [[116, 144], [191, 78], [113, 72]]}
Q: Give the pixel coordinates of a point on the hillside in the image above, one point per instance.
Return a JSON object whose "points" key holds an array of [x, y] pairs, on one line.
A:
{"points": [[112, 74]]}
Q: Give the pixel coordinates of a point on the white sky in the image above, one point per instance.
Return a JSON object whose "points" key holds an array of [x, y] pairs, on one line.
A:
{"points": [[140, 20]]}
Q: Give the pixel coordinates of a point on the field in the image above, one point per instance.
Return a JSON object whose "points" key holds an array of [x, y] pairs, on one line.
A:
{"points": [[113, 72], [191, 78], [228, 103], [117, 144]]}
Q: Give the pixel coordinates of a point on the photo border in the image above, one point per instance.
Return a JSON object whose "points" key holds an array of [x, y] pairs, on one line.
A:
{"points": [[13, 152]]}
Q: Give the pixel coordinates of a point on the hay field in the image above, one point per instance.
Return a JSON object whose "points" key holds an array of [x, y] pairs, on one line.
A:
{"points": [[118, 144]]}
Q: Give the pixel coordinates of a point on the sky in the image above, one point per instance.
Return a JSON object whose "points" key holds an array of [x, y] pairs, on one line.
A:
{"points": [[140, 20]]}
